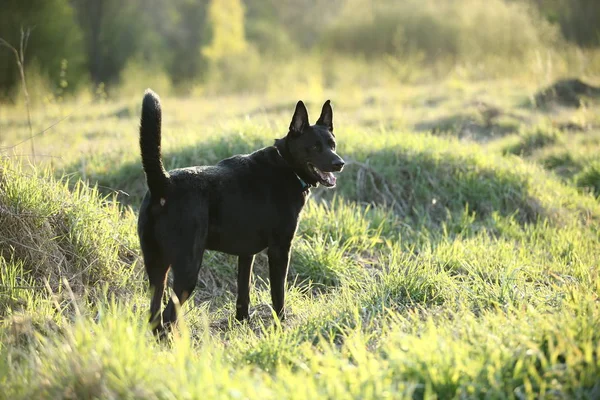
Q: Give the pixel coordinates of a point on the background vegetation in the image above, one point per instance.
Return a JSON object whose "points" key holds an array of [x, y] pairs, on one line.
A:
{"points": [[457, 258], [235, 45]]}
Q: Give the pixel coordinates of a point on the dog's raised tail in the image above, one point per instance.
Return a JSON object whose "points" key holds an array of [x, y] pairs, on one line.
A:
{"points": [[150, 127]]}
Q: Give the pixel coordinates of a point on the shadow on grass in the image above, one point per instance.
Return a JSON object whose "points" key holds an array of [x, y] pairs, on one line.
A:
{"points": [[567, 93], [436, 194], [425, 187], [468, 126], [428, 190], [570, 93], [532, 140]]}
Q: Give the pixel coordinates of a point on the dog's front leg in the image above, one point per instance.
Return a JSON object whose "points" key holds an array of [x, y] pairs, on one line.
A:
{"points": [[243, 280], [279, 256]]}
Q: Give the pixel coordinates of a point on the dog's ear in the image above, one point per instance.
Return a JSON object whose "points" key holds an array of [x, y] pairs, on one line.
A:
{"points": [[300, 119], [326, 118]]}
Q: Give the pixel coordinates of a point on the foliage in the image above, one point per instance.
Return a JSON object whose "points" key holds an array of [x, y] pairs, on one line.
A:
{"points": [[578, 19], [460, 31], [56, 39], [181, 24], [114, 31], [226, 23], [247, 46]]}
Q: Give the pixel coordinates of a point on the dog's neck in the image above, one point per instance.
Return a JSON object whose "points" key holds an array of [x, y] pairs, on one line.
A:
{"points": [[282, 148]]}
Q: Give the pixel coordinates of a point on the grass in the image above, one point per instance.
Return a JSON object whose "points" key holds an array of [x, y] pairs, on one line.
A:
{"points": [[534, 139], [444, 265]]}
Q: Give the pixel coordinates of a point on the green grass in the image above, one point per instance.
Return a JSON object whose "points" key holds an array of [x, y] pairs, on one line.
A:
{"points": [[530, 140], [442, 266], [589, 178]]}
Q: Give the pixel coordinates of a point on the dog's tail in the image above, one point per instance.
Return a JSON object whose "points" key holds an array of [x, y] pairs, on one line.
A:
{"points": [[150, 125]]}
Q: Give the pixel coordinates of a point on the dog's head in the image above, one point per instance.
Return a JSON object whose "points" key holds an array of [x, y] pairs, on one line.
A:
{"points": [[312, 147]]}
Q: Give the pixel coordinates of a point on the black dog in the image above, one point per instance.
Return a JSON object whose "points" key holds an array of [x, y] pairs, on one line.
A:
{"points": [[240, 206]]}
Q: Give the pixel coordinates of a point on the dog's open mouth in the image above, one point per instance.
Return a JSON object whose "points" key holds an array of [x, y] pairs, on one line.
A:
{"points": [[325, 178]]}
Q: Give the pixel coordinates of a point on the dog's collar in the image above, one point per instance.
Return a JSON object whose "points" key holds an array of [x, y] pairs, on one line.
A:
{"points": [[305, 186]]}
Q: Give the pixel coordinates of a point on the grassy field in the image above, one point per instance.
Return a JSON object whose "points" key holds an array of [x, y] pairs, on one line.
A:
{"points": [[457, 258]]}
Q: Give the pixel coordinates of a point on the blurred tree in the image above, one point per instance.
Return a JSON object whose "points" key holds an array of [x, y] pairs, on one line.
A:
{"points": [[226, 24], [579, 19], [55, 37], [114, 31], [265, 30], [446, 30], [305, 20], [182, 25]]}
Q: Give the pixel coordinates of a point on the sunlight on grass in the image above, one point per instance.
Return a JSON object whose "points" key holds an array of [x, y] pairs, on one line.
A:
{"points": [[442, 266]]}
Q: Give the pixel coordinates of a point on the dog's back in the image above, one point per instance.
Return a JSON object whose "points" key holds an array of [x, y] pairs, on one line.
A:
{"points": [[242, 199]]}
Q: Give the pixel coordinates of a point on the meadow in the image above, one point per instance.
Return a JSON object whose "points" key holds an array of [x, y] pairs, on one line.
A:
{"points": [[457, 258]]}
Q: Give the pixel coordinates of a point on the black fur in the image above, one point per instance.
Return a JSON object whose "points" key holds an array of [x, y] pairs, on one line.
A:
{"points": [[158, 178], [240, 206]]}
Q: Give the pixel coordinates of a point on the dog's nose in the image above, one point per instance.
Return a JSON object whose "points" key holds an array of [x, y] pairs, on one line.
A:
{"points": [[338, 164]]}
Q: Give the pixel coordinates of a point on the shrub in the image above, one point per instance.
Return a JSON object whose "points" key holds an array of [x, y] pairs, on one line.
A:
{"points": [[461, 30]]}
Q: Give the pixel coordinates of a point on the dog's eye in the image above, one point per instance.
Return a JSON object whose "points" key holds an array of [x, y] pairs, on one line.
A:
{"points": [[316, 147], [332, 145]]}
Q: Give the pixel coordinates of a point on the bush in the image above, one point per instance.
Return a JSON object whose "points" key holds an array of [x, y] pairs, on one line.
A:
{"points": [[460, 31], [579, 20], [55, 37]]}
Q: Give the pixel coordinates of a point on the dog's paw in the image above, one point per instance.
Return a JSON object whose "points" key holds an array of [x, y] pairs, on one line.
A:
{"points": [[242, 316]]}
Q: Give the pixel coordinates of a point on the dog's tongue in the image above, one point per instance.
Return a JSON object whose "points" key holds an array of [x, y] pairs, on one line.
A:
{"points": [[328, 177]]}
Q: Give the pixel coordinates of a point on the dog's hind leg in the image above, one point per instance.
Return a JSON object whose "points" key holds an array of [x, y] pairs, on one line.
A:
{"points": [[156, 269], [243, 280], [185, 275], [157, 275], [279, 256]]}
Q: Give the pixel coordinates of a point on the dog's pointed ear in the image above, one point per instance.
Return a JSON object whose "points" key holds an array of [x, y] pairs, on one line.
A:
{"points": [[300, 119], [326, 118]]}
